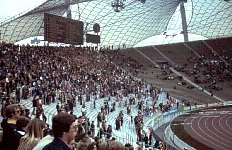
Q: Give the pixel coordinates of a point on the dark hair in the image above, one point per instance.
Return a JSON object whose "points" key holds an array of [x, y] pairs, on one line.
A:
{"points": [[91, 145], [113, 138], [112, 145], [82, 146], [10, 109], [61, 123], [129, 146], [47, 131], [80, 129], [83, 135], [89, 133], [22, 110], [96, 138], [21, 122]]}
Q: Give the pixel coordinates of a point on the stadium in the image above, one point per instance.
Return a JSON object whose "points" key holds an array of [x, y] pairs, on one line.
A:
{"points": [[147, 74]]}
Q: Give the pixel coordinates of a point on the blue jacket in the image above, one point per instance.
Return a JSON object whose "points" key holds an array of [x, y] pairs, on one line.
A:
{"points": [[56, 144]]}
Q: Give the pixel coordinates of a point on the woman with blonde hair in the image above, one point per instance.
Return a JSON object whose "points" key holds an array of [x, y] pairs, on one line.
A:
{"points": [[33, 136]]}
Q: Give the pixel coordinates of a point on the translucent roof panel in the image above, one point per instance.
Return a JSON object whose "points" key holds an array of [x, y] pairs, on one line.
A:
{"points": [[25, 26], [31, 23], [211, 18], [133, 24], [206, 19], [137, 21]]}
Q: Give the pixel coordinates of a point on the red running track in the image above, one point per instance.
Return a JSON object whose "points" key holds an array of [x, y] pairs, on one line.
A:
{"points": [[212, 127]]}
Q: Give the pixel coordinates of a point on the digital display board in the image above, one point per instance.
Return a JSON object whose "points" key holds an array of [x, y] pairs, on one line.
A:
{"points": [[90, 38], [63, 30]]}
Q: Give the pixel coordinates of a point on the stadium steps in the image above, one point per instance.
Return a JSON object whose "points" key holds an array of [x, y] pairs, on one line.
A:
{"points": [[126, 134]]}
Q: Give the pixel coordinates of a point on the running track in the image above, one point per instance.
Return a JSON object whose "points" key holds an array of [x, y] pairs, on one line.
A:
{"points": [[212, 127]]}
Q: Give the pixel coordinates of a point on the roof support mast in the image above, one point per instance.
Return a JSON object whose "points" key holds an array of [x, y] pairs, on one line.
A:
{"points": [[69, 13], [183, 18]]}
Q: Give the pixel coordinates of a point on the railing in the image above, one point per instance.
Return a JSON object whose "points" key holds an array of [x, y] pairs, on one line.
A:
{"points": [[115, 47], [170, 137], [124, 140]]}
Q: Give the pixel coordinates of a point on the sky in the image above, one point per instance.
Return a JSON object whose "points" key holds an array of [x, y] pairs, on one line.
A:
{"points": [[9, 8]]}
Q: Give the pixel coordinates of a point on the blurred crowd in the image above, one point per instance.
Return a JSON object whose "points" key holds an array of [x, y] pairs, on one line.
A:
{"points": [[68, 76]]}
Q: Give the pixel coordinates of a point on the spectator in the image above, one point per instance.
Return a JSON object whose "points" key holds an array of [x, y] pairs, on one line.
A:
{"points": [[129, 146], [92, 146], [90, 140], [48, 138], [33, 136], [22, 111], [111, 145], [92, 129], [113, 139], [109, 132], [160, 145], [79, 132], [27, 113], [8, 124], [84, 140], [64, 129], [72, 144], [82, 146], [145, 139], [58, 108], [97, 141], [21, 125]]}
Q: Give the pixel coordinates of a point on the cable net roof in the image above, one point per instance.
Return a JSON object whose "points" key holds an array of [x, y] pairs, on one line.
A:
{"points": [[31, 23], [211, 18], [134, 23]]}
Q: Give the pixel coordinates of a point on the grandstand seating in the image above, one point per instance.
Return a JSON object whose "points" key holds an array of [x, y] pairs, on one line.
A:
{"points": [[151, 53], [143, 59], [130, 52], [223, 46], [178, 53], [127, 133], [203, 50]]}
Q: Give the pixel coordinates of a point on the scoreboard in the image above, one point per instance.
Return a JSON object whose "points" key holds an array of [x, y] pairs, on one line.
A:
{"points": [[63, 30], [92, 38]]}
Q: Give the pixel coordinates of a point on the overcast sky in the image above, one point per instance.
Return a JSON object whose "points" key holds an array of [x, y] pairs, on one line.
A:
{"points": [[9, 8]]}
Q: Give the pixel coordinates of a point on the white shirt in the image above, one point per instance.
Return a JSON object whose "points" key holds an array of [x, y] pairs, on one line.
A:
{"points": [[43, 142]]}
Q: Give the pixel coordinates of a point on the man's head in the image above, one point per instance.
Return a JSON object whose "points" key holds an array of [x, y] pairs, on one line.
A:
{"points": [[22, 122], [96, 139], [64, 127], [22, 110], [89, 133], [27, 112], [12, 111], [84, 137]]}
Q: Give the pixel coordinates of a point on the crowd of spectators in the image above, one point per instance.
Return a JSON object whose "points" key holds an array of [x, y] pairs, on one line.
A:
{"points": [[128, 63], [73, 75], [207, 71], [68, 75]]}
